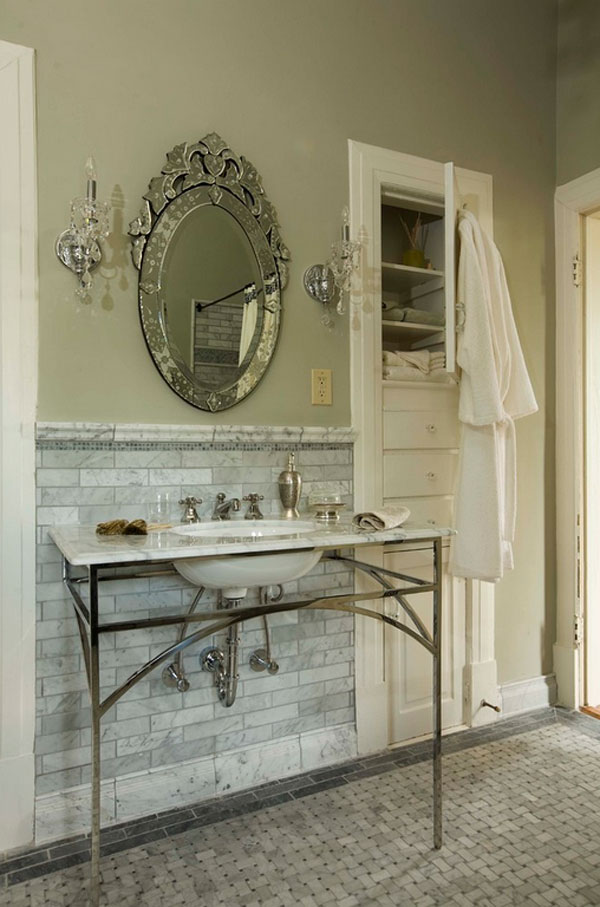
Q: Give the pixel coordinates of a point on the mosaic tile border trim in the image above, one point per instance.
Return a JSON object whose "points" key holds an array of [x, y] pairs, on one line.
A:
{"points": [[43, 444], [207, 434], [30, 864]]}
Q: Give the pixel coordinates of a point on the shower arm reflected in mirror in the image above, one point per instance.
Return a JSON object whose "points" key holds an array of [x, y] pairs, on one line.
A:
{"points": [[250, 294]]}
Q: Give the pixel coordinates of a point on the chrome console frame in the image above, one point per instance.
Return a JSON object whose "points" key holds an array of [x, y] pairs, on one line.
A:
{"points": [[91, 629]]}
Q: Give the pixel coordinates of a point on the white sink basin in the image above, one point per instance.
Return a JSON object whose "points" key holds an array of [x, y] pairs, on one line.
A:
{"points": [[234, 573]]}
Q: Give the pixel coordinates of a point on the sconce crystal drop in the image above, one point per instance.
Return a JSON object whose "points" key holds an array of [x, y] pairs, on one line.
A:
{"points": [[78, 246]]}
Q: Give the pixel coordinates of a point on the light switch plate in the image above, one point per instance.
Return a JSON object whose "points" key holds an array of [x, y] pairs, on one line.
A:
{"points": [[321, 386]]}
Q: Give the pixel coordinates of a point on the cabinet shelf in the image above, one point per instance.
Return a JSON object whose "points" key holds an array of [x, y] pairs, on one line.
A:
{"points": [[400, 278], [450, 384], [409, 332]]}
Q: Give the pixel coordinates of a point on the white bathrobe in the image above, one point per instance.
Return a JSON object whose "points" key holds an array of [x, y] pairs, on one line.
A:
{"points": [[495, 389]]}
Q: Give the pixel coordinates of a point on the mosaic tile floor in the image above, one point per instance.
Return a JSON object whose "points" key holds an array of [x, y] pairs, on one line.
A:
{"points": [[522, 826]]}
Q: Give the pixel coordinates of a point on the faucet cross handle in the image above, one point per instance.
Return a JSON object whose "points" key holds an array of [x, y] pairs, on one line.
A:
{"points": [[253, 512], [190, 515]]}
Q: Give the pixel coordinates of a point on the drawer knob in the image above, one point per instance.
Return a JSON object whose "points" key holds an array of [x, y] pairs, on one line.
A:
{"points": [[431, 428], [431, 476]]}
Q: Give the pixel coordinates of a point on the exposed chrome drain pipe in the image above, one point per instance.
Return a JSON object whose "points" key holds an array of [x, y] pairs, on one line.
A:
{"points": [[174, 674], [261, 659], [224, 666]]}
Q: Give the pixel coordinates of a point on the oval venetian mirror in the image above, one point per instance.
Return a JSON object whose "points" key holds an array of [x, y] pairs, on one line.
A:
{"points": [[212, 267]]}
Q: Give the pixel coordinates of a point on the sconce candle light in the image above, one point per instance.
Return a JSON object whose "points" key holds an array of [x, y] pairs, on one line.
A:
{"points": [[322, 281], [78, 247]]}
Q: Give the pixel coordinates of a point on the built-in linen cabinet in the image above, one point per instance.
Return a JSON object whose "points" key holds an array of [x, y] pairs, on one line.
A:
{"points": [[419, 425], [408, 432]]}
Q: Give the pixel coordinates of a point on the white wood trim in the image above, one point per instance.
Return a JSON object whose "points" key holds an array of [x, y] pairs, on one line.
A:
{"points": [[481, 671], [371, 169], [18, 388], [450, 220], [571, 201]]}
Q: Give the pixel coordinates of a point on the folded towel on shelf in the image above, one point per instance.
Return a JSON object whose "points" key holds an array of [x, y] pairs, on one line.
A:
{"points": [[410, 373], [385, 518], [416, 316], [424, 360]]}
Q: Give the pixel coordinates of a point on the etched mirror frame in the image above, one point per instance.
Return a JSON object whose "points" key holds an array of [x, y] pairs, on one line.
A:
{"points": [[206, 172]]}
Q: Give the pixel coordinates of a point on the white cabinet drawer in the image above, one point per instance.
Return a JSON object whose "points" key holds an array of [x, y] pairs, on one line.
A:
{"points": [[437, 428], [408, 474], [434, 512], [433, 396]]}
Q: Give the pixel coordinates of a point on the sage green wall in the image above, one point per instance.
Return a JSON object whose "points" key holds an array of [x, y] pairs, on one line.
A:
{"points": [[578, 89], [287, 82]]}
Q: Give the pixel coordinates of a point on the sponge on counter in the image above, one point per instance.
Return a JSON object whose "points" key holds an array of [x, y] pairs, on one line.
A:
{"points": [[122, 527]]}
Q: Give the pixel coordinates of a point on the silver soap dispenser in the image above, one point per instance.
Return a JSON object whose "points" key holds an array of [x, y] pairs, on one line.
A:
{"points": [[290, 484]]}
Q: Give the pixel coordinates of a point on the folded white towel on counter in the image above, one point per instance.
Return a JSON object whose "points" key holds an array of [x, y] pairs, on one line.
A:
{"points": [[410, 373], [385, 518], [424, 360]]}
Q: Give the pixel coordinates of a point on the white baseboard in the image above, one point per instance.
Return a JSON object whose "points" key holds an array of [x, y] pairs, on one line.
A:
{"points": [[67, 812], [526, 695], [16, 810]]}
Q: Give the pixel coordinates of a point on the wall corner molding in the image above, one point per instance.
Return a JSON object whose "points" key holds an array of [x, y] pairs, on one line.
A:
{"points": [[18, 389]]}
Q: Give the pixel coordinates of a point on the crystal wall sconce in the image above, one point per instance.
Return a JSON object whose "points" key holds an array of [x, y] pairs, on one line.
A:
{"points": [[78, 246], [322, 282]]}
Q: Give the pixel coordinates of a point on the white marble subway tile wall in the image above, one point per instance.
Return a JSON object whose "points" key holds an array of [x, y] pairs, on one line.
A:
{"points": [[153, 726]]}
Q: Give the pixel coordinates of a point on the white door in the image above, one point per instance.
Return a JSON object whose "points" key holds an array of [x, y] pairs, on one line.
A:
{"points": [[409, 665]]}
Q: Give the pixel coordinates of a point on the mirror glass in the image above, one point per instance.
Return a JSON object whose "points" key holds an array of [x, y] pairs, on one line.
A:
{"points": [[212, 267], [211, 293]]}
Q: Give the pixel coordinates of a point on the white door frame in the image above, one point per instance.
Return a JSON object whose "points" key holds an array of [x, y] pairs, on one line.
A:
{"points": [[370, 168], [572, 200], [18, 390]]}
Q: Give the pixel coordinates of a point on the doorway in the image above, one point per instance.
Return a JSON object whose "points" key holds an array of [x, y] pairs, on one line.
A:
{"points": [[590, 666], [577, 219]]}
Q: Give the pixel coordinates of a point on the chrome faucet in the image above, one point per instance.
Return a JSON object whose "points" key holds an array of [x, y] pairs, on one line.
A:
{"points": [[191, 514], [223, 507]]}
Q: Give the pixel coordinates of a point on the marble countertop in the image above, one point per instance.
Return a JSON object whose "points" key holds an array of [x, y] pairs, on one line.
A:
{"points": [[82, 547]]}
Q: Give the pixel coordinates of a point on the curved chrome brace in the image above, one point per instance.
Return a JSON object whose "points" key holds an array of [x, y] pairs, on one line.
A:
{"points": [[374, 572], [332, 604]]}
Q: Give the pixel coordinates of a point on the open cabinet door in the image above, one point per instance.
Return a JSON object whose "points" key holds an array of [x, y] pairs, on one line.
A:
{"points": [[451, 203]]}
